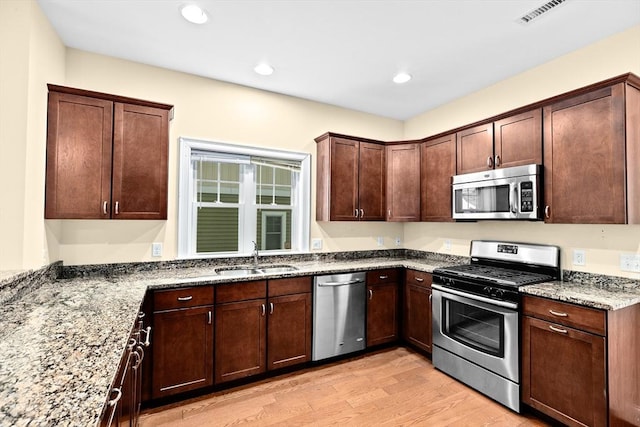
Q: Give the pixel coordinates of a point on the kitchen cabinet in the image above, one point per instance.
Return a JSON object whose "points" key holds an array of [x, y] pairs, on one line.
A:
{"points": [[416, 329], [437, 167], [124, 401], [183, 340], [591, 157], [350, 179], [382, 306], [403, 182], [240, 327], [289, 322], [512, 141], [577, 361], [106, 156]]}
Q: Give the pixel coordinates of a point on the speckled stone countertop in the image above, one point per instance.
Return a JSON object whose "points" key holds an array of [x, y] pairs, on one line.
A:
{"points": [[61, 340], [591, 290]]}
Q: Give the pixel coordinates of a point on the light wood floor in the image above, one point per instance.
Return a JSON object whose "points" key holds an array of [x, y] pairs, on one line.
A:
{"points": [[395, 387]]}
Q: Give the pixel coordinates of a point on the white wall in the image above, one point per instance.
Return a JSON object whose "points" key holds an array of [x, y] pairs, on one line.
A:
{"points": [[31, 55], [603, 244]]}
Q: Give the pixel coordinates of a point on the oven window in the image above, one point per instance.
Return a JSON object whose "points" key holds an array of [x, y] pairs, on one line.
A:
{"points": [[482, 199], [475, 327]]}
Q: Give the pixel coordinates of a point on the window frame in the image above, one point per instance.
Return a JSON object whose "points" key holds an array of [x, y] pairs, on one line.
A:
{"points": [[302, 190]]}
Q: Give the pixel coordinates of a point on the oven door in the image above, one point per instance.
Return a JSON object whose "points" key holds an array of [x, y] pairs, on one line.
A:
{"points": [[478, 329]]}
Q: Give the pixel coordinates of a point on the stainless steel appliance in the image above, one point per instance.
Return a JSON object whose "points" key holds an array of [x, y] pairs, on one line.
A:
{"points": [[475, 314], [507, 193], [339, 307]]}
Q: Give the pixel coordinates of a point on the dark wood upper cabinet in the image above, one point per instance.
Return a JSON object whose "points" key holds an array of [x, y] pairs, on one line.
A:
{"points": [[403, 182], [588, 176], [512, 141], [437, 167], [350, 179], [106, 156]]}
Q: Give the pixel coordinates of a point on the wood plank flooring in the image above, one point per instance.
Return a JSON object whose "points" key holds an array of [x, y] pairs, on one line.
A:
{"points": [[394, 387]]}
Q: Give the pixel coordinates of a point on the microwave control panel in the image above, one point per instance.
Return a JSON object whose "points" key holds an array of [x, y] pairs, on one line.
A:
{"points": [[526, 196]]}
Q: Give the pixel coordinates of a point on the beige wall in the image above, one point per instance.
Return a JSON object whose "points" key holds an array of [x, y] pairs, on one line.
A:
{"points": [[31, 55], [218, 111], [603, 245]]}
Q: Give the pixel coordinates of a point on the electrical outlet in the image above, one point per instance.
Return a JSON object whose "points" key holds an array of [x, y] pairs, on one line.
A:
{"points": [[398, 241], [316, 244], [630, 262], [447, 245], [156, 249], [380, 240], [579, 257]]}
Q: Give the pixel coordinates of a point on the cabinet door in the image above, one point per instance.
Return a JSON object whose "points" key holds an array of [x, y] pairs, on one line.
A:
{"points": [[518, 140], [371, 182], [289, 330], [78, 177], [403, 182], [182, 350], [438, 165], [564, 372], [584, 158], [417, 328], [382, 313], [140, 153], [240, 340], [475, 149], [344, 180]]}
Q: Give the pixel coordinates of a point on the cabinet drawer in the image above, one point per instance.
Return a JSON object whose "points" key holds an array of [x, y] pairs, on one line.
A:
{"points": [[419, 278], [585, 318], [289, 286], [241, 291], [182, 298], [378, 277]]}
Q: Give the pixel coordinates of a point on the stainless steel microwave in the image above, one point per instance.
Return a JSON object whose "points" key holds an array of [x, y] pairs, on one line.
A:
{"points": [[505, 193]]}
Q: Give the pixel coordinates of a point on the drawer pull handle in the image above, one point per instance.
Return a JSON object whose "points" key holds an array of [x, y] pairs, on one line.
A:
{"points": [[554, 329], [189, 298], [115, 400], [559, 314], [384, 277], [419, 279]]}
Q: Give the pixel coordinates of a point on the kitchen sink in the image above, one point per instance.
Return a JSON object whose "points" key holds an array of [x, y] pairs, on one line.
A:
{"points": [[261, 269]]}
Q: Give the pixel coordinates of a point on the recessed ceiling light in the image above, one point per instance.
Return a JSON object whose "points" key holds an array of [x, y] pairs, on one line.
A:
{"points": [[401, 78], [263, 69], [194, 14]]}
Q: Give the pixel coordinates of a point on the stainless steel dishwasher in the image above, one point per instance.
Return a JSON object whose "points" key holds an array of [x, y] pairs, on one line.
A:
{"points": [[339, 307]]}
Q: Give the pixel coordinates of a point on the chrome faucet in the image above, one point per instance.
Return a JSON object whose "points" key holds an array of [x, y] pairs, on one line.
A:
{"points": [[256, 254]]}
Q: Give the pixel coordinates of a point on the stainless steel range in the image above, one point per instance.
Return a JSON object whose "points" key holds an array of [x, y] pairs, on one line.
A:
{"points": [[476, 334]]}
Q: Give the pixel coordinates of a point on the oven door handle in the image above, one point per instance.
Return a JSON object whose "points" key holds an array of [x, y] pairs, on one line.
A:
{"points": [[499, 303]]}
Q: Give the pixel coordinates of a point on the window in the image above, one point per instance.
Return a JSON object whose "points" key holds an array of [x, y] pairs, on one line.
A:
{"points": [[234, 195]]}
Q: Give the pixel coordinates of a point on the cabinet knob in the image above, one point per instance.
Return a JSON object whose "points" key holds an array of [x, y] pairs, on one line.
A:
{"points": [[489, 162], [547, 211], [361, 213], [104, 207], [497, 161], [115, 400], [270, 308], [370, 294], [263, 309], [117, 209]]}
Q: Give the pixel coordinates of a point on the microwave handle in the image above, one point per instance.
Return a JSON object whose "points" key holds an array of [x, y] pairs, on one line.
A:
{"points": [[514, 200]]}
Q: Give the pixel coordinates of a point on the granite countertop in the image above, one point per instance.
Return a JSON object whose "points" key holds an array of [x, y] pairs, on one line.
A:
{"points": [[61, 340]]}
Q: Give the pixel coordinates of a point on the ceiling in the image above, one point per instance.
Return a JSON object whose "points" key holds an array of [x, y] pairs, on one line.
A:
{"points": [[344, 52]]}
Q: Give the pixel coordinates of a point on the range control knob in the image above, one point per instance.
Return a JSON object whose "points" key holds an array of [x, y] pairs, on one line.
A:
{"points": [[486, 290], [499, 293]]}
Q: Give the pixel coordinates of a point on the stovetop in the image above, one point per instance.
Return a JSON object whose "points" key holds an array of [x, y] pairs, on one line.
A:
{"points": [[493, 275]]}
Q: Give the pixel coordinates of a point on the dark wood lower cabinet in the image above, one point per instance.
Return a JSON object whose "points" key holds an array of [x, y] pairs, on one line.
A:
{"points": [[417, 310], [382, 306], [564, 372], [580, 365], [240, 339], [182, 350], [289, 330]]}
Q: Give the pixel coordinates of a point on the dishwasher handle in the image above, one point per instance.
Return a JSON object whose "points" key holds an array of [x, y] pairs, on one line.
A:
{"points": [[349, 282]]}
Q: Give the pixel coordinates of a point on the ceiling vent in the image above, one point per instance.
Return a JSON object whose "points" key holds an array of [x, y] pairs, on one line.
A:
{"points": [[536, 13]]}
